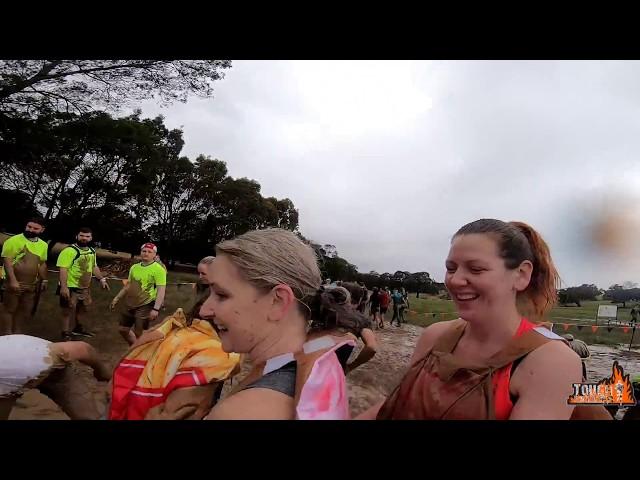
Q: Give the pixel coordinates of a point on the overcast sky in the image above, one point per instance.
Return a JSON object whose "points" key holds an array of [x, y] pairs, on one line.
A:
{"points": [[386, 160]]}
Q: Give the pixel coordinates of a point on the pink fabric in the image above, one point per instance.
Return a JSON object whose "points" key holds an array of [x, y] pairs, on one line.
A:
{"points": [[324, 395]]}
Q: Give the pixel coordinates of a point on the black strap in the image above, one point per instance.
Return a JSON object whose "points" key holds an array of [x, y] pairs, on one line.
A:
{"points": [[514, 365], [79, 252]]}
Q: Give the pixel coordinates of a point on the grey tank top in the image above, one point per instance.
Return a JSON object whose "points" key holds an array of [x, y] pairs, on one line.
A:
{"points": [[280, 371], [281, 380]]}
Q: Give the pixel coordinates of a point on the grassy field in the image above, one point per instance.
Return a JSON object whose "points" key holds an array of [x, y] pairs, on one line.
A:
{"points": [[103, 322], [431, 309]]}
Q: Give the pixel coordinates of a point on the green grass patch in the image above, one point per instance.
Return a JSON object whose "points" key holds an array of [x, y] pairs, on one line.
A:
{"points": [[430, 309]]}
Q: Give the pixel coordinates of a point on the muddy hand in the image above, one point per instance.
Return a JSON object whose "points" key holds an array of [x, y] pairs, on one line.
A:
{"points": [[64, 293], [14, 287]]}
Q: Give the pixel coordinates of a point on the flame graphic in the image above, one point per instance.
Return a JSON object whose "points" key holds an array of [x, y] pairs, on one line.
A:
{"points": [[615, 390], [621, 387]]}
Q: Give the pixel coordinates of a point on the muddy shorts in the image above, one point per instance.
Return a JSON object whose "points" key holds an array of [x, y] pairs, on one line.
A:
{"points": [[136, 316], [78, 297], [24, 298]]}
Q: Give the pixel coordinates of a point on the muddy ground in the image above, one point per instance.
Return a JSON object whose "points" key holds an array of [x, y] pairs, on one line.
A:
{"points": [[368, 384]]}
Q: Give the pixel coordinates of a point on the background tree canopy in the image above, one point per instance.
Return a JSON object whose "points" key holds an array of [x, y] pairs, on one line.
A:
{"points": [[33, 86]]}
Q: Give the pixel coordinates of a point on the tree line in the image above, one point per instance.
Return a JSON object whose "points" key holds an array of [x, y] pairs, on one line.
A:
{"points": [[627, 292], [65, 156], [125, 177]]}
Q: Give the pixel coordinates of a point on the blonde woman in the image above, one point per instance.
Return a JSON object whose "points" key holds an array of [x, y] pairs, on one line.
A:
{"points": [[262, 285]]}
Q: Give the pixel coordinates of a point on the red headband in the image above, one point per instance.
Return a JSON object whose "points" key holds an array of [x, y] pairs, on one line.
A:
{"points": [[150, 246]]}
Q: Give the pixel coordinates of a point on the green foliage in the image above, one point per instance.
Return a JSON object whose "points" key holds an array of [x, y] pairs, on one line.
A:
{"points": [[620, 294], [578, 294], [33, 87], [125, 178]]}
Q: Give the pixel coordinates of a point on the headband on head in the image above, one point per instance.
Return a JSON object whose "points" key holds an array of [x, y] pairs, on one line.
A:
{"points": [[150, 246]]}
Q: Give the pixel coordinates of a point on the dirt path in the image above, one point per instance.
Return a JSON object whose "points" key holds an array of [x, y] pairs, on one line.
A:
{"points": [[367, 385]]}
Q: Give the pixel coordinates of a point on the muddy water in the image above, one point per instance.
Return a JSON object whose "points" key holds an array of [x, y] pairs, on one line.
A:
{"points": [[367, 385]]}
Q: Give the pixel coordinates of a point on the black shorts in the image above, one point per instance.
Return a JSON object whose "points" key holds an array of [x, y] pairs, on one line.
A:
{"points": [[374, 309], [384, 309]]}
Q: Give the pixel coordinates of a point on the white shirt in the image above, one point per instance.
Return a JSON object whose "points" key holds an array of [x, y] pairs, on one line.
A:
{"points": [[22, 358]]}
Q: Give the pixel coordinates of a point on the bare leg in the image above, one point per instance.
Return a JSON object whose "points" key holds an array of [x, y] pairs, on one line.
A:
{"points": [[67, 319], [80, 314], [127, 334], [27, 299], [138, 328], [10, 308]]}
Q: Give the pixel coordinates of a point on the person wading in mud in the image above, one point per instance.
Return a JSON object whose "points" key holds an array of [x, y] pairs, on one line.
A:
{"points": [[143, 295], [25, 263]]}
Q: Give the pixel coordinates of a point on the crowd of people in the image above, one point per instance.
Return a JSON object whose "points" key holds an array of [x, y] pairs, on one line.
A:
{"points": [[264, 303]]}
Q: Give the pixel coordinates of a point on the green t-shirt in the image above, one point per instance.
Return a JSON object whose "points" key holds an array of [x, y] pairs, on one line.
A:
{"points": [[143, 284], [79, 271], [27, 257]]}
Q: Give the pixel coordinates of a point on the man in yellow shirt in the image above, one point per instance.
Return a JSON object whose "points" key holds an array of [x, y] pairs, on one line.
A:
{"points": [[143, 293], [24, 258], [77, 263]]}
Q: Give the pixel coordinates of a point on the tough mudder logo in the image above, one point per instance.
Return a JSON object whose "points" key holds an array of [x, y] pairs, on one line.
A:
{"points": [[615, 390]]}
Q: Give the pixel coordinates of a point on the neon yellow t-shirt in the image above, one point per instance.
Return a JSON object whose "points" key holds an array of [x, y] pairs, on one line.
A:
{"points": [[143, 284], [78, 271], [27, 257]]}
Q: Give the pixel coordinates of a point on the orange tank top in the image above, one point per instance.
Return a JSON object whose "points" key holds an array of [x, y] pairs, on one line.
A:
{"points": [[501, 379]]}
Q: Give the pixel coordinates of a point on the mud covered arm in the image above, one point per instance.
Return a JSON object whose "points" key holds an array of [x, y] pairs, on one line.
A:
{"points": [[368, 352], [8, 267], [120, 294], [160, 298], [101, 278], [83, 353], [42, 271], [63, 277], [188, 403]]}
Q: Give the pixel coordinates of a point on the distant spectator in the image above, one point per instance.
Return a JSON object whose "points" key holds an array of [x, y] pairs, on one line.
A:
{"points": [[385, 300]]}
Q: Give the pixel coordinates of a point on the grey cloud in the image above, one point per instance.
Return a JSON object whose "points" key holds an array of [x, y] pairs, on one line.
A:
{"points": [[530, 141]]}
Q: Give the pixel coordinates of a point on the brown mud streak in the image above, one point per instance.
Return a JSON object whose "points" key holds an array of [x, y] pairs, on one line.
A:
{"points": [[26, 268], [85, 278], [136, 296]]}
